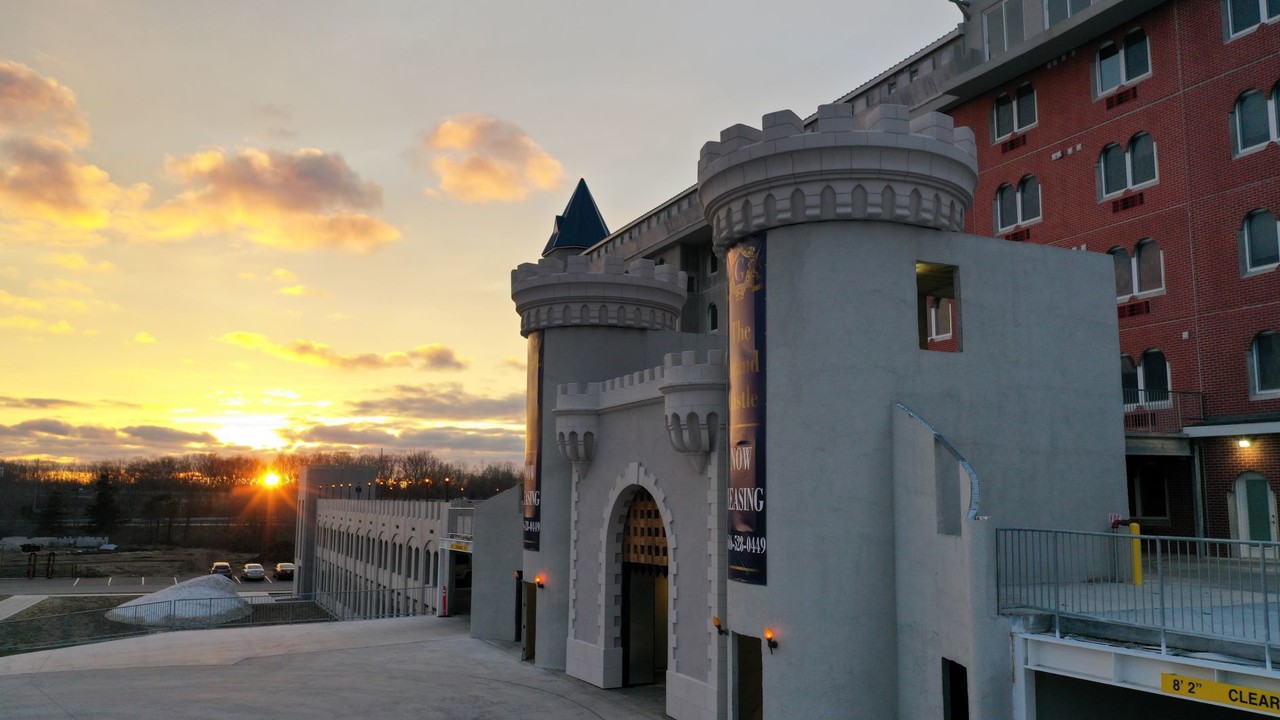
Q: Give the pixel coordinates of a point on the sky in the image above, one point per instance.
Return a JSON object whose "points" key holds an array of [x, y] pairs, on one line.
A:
{"points": [[261, 227]]}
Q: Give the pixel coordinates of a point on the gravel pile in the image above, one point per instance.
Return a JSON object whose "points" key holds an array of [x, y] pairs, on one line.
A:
{"points": [[202, 601]]}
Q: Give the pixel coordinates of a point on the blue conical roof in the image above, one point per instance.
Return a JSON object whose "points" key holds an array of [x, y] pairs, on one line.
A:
{"points": [[580, 226]]}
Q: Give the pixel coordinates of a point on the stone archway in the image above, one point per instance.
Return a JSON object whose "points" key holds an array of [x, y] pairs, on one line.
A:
{"points": [[638, 581]]}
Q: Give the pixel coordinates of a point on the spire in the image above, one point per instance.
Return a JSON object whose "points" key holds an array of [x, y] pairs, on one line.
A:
{"points": [[580, 226]]}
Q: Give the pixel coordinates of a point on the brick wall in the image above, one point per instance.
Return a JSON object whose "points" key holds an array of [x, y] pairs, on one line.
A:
{"points": [[1223, 461]]}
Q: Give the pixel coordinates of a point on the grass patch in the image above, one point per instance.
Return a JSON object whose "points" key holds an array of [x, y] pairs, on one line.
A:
{"points": [[60, 621]]}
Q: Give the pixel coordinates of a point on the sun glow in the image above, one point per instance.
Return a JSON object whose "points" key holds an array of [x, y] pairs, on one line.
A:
{"points": [[255, 431], [271, 479]]}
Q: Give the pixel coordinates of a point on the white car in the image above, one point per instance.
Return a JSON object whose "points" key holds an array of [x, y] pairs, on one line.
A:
{"points": [[252, 571]]}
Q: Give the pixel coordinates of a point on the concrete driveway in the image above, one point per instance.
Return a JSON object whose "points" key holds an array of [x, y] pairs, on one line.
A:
{"points": [[416, 667]]}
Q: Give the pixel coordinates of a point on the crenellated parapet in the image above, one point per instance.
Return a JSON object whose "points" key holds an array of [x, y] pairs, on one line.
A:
{"points": [[694, 393], [640, 295], [882, 165]]}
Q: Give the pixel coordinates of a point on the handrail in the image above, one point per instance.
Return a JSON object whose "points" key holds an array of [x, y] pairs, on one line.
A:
{"points": [[975, 497]]}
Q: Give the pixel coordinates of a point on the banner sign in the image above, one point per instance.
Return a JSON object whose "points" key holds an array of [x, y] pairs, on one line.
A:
{"points": [[746, 495], [532, 498]]}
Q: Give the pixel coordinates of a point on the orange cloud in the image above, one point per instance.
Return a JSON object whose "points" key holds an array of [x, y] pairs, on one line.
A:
{"points": [[432, 357], [77, 262], [32, 104], [478, 158], [304, 200]]}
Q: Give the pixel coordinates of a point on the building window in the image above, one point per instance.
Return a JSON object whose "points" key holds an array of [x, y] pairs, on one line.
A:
{"points": [[1245, 15], [1253, 119], [1147, 383], [939, 318], [1265, 356], [1128, 169], [1014, 114], [1149, 494], [1058, 10], [1123, 64], [1018, 206], [1260, 238], [1002, 27], [713, 318], [1141, 274]]}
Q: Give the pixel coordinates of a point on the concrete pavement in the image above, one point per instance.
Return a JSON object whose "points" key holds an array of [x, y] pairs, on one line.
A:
{"points": [[416, 667]]}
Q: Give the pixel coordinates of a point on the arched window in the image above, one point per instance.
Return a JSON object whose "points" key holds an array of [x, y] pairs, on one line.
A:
{"points": [[1122, 64], [1153, 378], [1014, 114], [1017, 206], [1124, 273], [1141, 273], [713, 318], [1266, 362], [1121, 170], [1260, 237], [1253, 120]]}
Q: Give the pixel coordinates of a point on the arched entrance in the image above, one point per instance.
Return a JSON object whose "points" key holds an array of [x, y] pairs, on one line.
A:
{"points": [[644, 592], [1255, 509]]}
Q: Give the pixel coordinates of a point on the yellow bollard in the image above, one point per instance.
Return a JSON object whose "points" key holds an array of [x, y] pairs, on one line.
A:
{"points": [[1135, 530]]}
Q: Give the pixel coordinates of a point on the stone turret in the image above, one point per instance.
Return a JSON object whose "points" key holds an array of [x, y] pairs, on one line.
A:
{"points": [[552, 293], [882, 165]]}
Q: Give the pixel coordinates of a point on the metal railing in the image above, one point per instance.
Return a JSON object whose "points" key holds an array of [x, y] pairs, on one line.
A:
{"points": [[26, 634], [1161, 411], [1192, 593]]}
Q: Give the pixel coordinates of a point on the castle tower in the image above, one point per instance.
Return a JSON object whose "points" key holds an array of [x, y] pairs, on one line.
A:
{"points": [[892, 383], [581, 324]]}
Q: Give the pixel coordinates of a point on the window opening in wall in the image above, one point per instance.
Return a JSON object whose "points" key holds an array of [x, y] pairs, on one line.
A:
{"points": [[1002, 28], [713, 318], [1266, 362], [1141, 274], [1018, 206], [1149, 493], [1147, 383], [955, 691], [1122, 64], [1260, 235], [1245, 15], [1253, 120], [1014, 114], [1122, 170], [938, 307]]}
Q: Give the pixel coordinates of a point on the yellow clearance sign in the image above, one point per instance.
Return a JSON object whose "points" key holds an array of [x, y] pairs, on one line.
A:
{"points": [[1252, 698]]}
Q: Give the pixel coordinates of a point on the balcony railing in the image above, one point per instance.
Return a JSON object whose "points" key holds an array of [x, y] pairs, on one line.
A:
{"points": [[1190, 593], [1161, 411]]}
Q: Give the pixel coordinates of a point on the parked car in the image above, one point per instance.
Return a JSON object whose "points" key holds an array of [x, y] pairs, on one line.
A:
{"points": [[221, 568], [284, 571], [252, 571]]}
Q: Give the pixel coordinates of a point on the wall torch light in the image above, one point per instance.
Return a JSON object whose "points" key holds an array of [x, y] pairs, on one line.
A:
{"points": [[715, 620], [769, 640], [538, 580]]}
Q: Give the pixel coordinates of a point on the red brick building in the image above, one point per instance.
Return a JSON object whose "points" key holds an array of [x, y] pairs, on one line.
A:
{"points": [[1148, 130]]}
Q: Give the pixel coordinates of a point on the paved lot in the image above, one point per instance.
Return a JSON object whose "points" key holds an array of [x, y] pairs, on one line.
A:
{"points": [[419, 667], [121, 585]]}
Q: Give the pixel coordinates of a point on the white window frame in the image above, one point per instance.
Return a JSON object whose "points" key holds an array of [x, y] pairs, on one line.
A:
{"points": [[1246, 241], [1019, 220], [1070, 14], [1262, 15], [1134, 274], [1237, 127], [1019, 123], [1142, 400], [1121, 48], [1002, 9], [1129, 184], [1255, 369], [935, 307]]}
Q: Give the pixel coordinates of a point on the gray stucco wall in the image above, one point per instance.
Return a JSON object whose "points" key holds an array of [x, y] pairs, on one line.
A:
{"points": [[1032, 401], [496, 555]]}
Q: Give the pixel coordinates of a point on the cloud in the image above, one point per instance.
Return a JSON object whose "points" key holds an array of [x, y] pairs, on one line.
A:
{"points": [[425, 357], [32, 104], [26, 322], [41, 403], [487, 441], [76, 262], [478, 158], [514, 363], [48, 194], [48, 437], [443, 400], [144, 338], [59, 285], [302, 200]]}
